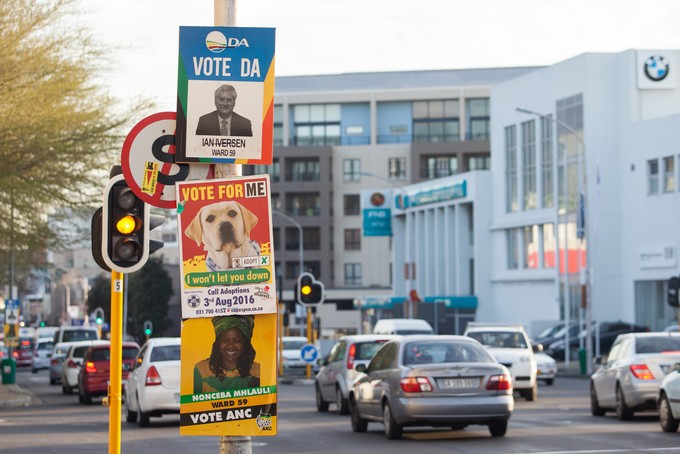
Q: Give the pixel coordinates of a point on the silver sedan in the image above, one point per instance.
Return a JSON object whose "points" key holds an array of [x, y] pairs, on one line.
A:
{"points": [[628, 378], [432, 381]]}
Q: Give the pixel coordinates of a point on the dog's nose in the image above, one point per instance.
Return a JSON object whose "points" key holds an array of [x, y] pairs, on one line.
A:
{"points": [[226, 232]]}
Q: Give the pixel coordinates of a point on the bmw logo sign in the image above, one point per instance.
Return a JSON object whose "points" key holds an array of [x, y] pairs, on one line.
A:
{"points": [[656, 68]]}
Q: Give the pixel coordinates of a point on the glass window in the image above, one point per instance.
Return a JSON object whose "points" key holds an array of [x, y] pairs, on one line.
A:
{"points": [[352, 273], [316, 124], [352, 239], [668, 174], [549, 259], [529, 164], [479, 163], [396, 168], [530, 256], [440, 166], [511, 169], [351, 205], [478, 119], [260, 169], [547, 162], [653, 176], [513, 248], [303, 204], [351, 169], [436, 120], [303, 170]]}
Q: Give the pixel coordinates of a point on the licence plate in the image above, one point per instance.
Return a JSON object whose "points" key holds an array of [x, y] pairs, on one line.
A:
{"points": [[459, 383]]}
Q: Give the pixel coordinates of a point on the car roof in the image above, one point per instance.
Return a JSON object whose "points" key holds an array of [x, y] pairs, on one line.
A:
{"points": [[434, 338], [496, 328], [368, 337], [155, 341], [651, 334]]}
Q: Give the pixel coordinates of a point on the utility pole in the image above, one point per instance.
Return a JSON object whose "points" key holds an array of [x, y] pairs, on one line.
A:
{"points": [[225, 15]]}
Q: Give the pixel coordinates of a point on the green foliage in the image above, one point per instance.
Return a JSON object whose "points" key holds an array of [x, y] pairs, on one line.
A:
{"points": [[60, 132], [100, 296]]}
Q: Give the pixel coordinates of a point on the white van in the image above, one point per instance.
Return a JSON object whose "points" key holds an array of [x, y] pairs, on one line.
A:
{"points": [[75, 334], [402, 326]]}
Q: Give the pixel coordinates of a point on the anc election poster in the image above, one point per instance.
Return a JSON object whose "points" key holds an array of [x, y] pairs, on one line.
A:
{"points": [[225, 95], [225, 247], [228, 376]]}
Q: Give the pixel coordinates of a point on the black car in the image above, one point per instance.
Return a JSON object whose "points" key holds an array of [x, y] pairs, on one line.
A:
{"points": [[607, 334]]}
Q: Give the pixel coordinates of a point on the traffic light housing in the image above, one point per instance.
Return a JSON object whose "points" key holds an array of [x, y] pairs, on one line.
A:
{"points": [[308, 290], [125, 225], [148, 328], [673, 288]]}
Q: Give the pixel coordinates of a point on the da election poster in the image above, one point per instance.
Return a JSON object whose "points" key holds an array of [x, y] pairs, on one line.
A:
{"points": [[228, 375], [225, 247], [225, 95]]}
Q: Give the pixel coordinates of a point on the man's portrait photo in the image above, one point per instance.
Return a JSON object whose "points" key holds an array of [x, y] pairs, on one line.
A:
{"points": [[223, 121]]}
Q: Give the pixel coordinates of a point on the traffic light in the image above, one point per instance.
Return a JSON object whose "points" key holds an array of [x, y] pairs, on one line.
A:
{"points": [[148, 328], [308, 290], [125, 225], [673, 288], [99, 316]]}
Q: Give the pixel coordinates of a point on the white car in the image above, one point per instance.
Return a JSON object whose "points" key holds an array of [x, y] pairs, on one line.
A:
{"points": [[510, 345], [546, 368], [668, 400], [293, 364], [72, 362], [153, 384], [41, 355]]}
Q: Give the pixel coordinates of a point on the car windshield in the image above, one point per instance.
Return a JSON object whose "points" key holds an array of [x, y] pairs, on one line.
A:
{"points": [[444, 352], [499, 339], [657, 344], [294, 344], [45, 345], [104, 354], [551, 331], [165, 353], [79, 335], [79, 352], [366, 350]]}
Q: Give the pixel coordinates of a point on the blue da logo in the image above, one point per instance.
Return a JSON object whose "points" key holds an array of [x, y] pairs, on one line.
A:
{"points": [[656, 68]]}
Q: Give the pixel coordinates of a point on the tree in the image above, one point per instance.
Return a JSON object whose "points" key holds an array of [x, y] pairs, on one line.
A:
{"points": [[60, 132], [100, 296]]}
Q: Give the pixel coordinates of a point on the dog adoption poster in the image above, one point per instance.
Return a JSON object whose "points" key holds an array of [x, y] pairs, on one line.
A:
{"points": [[225, 247], [228, 381]]}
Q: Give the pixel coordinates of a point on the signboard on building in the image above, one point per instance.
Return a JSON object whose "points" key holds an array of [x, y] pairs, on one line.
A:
{"points": [[225, 247], [376, 212], [225, 95]]}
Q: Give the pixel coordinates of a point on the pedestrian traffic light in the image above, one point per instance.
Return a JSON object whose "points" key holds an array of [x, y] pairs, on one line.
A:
{"points": [[148, 328], [125, 225], [673, 288], [308, 290]]}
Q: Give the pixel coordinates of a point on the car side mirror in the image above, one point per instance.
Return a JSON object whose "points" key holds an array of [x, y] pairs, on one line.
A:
{"points": [[675, 367], [361, 368], [322, 361], [598, 360]]}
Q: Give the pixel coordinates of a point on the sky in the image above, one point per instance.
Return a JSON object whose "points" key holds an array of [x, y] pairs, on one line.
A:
{"points": [[332, 37]]}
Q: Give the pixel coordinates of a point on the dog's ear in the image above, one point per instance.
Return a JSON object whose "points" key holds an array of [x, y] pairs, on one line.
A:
{"points": [[249, 218], [195, 229]]}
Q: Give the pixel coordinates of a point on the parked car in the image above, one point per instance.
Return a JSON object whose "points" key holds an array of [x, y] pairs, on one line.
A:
{"points": [[75, 334], [608, 331], [23, 353], [546, 368], [293, 364], [58, 353], [93, 378], [152, 387], [72, 362], [510, 345], [628, 378], [671, 329], [442, 380], [668, 400], [549, 337], [334, 379], [42, 352]]}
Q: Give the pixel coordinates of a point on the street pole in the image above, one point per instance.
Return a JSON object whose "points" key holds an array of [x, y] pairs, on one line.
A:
{"points": [[225, 15], [300, 237], [115, 373], [582, 208]]}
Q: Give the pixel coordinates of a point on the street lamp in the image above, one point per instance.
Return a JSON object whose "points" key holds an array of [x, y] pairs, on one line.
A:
{"points": [[408, 268], [581, 233]]}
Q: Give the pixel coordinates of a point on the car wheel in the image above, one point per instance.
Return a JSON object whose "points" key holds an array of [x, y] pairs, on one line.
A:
{"points": [[549, 381], [84, 398], [341, 402], [34, 370], [530, 394], [64, 389], [623, 412], [666, 420], [498, 429], [321, 405], [392, 429], [595, 408], [143, 416], [53, 381], [359, 424], [130, 415]]}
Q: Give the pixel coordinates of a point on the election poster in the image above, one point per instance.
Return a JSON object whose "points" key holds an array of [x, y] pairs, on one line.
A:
{"points": [[225, 95], [228, 376], [225, 247]]}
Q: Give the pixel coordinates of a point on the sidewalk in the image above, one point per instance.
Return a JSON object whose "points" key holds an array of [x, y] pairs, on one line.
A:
{"points": [[15, 396]]}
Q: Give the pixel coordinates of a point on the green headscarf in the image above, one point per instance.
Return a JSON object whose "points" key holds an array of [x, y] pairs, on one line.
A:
{"points": [[244, 323]]}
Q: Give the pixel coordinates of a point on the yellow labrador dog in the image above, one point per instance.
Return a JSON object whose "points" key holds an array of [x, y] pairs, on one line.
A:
{"points": [[224, 230]]}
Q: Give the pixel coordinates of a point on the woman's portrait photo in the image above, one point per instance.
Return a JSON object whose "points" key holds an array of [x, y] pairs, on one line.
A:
{"points": [[231, 364]]}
